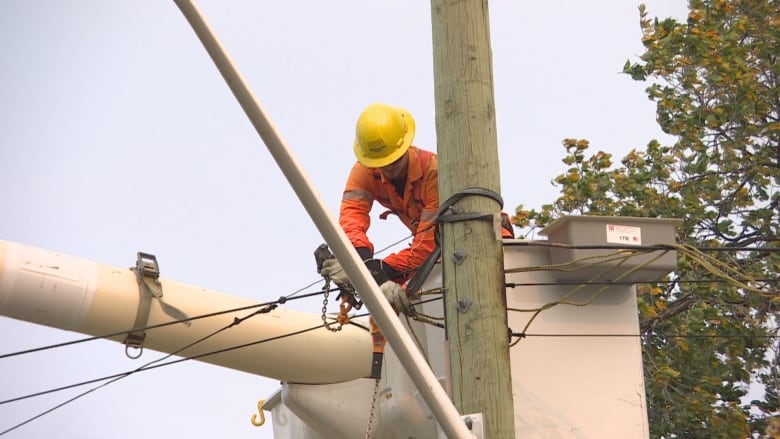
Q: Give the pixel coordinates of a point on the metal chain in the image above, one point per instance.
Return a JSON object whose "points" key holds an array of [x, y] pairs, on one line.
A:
{"points": [[373, 409], [326, 293]]}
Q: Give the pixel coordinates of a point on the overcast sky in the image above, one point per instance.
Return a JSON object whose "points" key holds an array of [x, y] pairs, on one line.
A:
{"points": [[118, 135]]}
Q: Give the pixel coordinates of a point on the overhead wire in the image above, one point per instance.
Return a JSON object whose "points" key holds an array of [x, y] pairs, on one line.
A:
{"points": [[425, 318], [235, 322], [264, 308], [523, 243], [280, 301], [630, 282], [653, 335], [714, 266], [151, 365], [395, 243], [620, 259], [727, 274]]}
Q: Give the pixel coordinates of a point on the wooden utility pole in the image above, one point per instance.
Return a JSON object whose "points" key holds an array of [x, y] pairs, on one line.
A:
{"points": [[472, 251]]}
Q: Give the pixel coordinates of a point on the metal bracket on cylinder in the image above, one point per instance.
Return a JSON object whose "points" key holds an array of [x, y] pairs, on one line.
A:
{"points": [[147, 273]]}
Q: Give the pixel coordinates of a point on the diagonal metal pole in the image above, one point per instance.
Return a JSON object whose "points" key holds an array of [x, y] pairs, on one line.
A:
{"points": [[414, 363]]}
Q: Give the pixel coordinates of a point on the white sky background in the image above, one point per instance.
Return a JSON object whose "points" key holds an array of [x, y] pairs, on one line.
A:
{"points": [[118, 135]]}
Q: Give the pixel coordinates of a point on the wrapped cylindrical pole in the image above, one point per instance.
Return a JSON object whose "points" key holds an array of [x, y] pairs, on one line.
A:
{"points": [[67, 292], [414, 363]]}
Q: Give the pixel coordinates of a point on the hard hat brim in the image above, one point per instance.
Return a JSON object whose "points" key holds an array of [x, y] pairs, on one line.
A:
{"points": [[395, 155]]}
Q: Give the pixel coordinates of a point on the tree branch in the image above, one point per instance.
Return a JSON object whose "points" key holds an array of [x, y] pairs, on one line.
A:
{"points": [[679, 306]]}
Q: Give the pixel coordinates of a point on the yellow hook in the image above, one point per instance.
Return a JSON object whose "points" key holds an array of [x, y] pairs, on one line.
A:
{"points": [[255, 422]]}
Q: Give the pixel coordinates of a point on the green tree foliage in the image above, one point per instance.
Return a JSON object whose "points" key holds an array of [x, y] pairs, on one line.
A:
{"points": [[716, 82]]}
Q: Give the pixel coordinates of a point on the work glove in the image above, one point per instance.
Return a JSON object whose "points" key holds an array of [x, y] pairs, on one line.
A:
{"points": [[396, 295], [377, 269], [332, 269]]}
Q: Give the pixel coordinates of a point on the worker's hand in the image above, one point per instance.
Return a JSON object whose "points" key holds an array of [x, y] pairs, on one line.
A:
{"points": [[396, 295], [332, 269], [376, 267]]}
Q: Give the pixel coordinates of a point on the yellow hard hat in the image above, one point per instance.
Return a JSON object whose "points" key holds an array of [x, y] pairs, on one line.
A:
{"points": [[382, 135]]}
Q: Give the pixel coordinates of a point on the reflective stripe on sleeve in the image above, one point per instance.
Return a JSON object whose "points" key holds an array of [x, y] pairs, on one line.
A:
{"points": [[358, 195], [428, 216]]}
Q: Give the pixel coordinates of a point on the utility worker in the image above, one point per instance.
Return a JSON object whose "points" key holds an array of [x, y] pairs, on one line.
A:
{"points": [[402, 178]]}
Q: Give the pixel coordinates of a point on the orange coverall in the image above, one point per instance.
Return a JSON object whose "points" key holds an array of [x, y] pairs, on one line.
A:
{"points": [[416, 208]]}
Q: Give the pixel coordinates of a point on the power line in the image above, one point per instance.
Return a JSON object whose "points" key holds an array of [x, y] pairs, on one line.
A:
{"points": [[633, 282], [634, 247], [269, 306], [727, 336], [283, 299], [279, 301], [713, 266], [151, 365], [266, 307]]}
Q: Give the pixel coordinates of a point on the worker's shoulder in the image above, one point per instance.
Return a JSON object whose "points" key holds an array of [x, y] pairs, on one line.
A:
{"points": [[429, 161], [422, 150]]}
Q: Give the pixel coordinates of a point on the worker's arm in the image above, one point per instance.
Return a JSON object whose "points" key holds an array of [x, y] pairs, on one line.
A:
{"points": [[355, 207], [423, 242]]}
